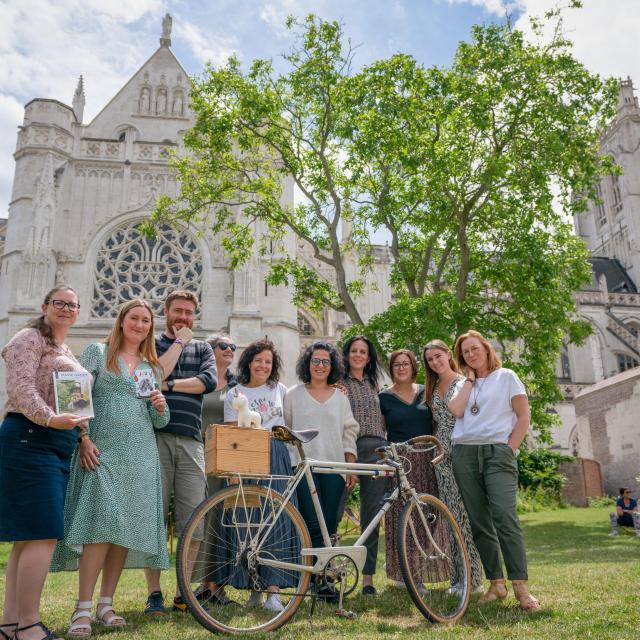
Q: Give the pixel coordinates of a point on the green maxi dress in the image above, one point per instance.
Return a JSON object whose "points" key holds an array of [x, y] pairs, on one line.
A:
{"points": [[121, 501]]}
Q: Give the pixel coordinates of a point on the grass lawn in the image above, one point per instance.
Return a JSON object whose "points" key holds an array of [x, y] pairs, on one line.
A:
{"points": [[586, 581]]}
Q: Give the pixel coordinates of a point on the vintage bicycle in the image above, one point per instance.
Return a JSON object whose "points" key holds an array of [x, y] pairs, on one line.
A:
{"points": [[256, 541]]}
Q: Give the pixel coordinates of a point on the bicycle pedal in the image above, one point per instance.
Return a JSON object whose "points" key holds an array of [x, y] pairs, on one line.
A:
{"points": [[346, 613]]}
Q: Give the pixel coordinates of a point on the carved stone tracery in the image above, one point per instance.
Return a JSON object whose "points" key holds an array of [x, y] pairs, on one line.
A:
{"points": [[129, 265]]}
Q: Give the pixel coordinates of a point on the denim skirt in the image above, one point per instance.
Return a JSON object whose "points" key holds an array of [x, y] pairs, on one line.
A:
{"points": [[34, 471]]}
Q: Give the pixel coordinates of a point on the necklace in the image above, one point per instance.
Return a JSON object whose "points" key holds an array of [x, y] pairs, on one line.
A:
{"points": [[475, 409]]}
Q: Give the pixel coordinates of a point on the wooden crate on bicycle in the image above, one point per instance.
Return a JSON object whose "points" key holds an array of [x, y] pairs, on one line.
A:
{"points": [[230, 449]]}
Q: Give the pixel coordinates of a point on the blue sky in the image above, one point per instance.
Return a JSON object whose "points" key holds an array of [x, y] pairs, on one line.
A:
{"points": [[45, 45]]}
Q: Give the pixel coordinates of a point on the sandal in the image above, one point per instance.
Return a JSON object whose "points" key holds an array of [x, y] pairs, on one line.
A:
{"points": [[525, 599], [104, 607], [81, 629], [497, 591], [49, 635], [4, 635]]}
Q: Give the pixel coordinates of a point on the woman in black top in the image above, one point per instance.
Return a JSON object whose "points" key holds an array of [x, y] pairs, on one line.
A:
{"points": [[406, 416]]}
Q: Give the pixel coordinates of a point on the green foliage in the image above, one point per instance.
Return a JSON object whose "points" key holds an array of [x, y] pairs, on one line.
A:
{"points": [[538, 469], [458, 166], [531, 500], [602, 501]]}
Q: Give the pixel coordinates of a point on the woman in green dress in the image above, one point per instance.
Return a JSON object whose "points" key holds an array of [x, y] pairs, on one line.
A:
{"points": [[113, 511]]}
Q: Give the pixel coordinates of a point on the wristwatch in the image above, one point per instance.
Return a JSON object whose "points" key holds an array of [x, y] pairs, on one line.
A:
{"points": [[179, 341], [170, 384]]}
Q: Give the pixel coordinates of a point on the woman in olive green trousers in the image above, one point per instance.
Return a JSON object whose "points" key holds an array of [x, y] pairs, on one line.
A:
{"points": [[492, 413]]}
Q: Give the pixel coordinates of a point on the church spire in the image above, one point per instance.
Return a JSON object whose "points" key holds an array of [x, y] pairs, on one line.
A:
{"points": [[165, 38], [79, 100]]}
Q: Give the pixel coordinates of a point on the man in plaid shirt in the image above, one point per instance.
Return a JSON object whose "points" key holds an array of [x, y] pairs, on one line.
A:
{"points": [[180, 443]]}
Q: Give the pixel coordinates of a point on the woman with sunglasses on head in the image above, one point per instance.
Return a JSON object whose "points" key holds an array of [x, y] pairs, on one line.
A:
{"points": [[361, 384], [441, 377], [209, 563], [317, 404], [407, 416], [113, 512], [36, 445], [492, 419]]}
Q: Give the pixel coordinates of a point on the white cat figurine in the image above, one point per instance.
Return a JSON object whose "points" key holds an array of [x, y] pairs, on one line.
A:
{"points": [[246, 417]]}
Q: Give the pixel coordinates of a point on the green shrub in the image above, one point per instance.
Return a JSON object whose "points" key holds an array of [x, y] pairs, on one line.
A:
{"points": [[538, 468], [530, 500], [602, 501]]}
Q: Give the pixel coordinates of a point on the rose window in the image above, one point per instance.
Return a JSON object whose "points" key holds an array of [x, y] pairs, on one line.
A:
{"points": [[130, 265]]}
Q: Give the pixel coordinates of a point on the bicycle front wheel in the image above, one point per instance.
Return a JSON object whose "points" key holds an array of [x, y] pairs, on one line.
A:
{"points": [[226, 583], [433, 559]]}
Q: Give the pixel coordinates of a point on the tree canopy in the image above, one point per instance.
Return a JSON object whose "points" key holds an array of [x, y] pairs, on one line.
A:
{"points": [[459, 167]]}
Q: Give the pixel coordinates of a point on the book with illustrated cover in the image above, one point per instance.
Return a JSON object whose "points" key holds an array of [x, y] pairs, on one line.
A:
{"points": [[145, 382], [73, 393]]}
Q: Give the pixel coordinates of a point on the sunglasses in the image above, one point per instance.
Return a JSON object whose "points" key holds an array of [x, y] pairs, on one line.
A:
{"points": [[226, 345]]}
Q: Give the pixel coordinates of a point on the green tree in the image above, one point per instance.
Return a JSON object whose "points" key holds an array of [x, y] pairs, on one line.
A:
{"points": [[459, 166]]}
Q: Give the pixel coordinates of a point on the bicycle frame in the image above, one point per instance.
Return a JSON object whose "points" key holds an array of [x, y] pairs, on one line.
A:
{"points": [[357, 552]]}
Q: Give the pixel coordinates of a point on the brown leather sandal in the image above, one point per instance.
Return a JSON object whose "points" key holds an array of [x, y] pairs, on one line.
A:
{"points": [[497, 591], [525, 599]]}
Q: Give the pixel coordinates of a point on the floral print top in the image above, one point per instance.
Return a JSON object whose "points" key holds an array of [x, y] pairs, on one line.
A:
{"points": [[30, 363]]}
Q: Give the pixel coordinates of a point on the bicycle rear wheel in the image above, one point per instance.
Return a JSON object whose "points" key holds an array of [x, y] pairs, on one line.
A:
{"points": [[433, 559], [239, 532]]}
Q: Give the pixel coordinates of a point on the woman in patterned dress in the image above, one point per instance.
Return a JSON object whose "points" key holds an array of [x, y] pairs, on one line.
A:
{"points": [[36, 445], [441, 375], [407, 416], [113, 512]]}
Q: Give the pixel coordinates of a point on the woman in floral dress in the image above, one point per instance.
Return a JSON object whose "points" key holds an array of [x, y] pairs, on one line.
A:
{"points": [[441, 375]]}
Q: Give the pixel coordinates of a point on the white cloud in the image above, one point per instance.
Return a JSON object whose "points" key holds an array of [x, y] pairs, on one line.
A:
{"points": [[497, 7], [206, 48], [11, 113]]}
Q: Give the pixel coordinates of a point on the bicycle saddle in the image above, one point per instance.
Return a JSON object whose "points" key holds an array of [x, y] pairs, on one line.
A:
{"points": [[287, 435]]}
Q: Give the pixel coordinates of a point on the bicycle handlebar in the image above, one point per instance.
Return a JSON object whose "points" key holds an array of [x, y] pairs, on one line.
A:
{"points": [[383, 451]]}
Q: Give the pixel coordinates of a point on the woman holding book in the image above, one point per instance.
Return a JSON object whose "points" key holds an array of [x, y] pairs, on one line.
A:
{"points": [[36, 444], [113, 513]]}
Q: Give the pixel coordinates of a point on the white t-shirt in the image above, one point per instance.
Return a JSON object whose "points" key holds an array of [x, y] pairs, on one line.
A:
{"points": [[333, 419], [495, 419], [267, 400]]}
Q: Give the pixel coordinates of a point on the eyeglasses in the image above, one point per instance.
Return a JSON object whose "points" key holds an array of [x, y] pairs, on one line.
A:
{"points": [[61, 304], [226, 345], [325, 362], [401, 365], [470, 350]]}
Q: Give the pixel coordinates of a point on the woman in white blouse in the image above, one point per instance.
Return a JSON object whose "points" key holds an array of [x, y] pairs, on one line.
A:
{"points": [[316, 404], [493, 416]]}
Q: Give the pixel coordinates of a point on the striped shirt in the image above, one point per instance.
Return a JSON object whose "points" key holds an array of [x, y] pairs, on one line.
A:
{"points": [[196, 361]]}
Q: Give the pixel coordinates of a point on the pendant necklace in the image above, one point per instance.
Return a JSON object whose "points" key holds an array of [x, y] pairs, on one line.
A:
{"points": [[475, 409]]}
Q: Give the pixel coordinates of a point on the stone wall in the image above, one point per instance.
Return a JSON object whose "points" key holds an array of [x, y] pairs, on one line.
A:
{"points": [[583, 481], [609, 430]]}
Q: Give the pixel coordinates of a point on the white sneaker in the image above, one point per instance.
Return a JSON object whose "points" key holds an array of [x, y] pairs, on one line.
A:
{"points": [[398, 584], [255, 600], [422, 590], [273, 603], [613, 534]]}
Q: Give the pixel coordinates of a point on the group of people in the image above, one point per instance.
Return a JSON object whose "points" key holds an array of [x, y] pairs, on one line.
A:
{"points": [[94, 495]]}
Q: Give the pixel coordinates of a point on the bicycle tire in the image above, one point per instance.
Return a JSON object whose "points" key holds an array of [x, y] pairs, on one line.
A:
{"points": [[236, 514], [435, 565]]}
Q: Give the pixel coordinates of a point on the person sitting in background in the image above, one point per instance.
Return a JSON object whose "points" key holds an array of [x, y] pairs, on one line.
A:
{"points": [[626, 514]]}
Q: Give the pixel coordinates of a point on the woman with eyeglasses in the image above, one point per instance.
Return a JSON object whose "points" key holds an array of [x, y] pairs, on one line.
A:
{"points": [[492, 418], [36, 445], [317, 404], [361, 384], [406, 416]]}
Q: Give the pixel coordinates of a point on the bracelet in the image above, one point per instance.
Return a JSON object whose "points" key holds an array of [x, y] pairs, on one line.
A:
{"points": [[82, 437], [469, 380], [49, 419], [180, 341]]}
